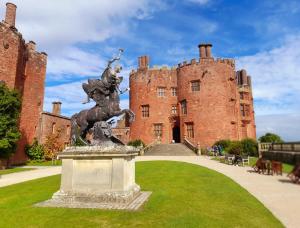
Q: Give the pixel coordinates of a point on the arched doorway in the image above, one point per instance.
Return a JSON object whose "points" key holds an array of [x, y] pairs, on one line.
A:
{"points": [[176, 134]]}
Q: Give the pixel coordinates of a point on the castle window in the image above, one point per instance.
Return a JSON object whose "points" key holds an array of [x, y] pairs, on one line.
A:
{"points": [[158, 130], [183, 107], [145, 111], [174, 109], [245, 110], [53, 128], [190, 130], [68, 130], [195, 85], [241, 96], [174, 92], [161, 91]]}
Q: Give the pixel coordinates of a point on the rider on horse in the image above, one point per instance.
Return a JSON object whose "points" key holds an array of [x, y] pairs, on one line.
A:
{"points": [[107, 84]]}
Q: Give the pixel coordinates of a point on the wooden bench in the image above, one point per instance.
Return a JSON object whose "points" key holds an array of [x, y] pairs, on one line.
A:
{"points": [[245, 160], [229, 158]]}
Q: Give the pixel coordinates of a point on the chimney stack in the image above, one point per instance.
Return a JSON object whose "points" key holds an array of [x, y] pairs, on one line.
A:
{"points": [[10, 16], [205, 50], [202, 50], [143, 62], [244, 77], [56, 108], [208, 50]]}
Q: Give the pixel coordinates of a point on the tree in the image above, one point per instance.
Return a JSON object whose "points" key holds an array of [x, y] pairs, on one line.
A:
{"points": [[53, 145], [10, 105], [270, 138]]}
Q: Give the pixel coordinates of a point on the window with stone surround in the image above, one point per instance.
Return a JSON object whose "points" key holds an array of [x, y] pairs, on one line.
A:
{"points": [[190, 130], [158, 130], [174, 109], [145, 111], [161, 91], [183, 105], [195, 86], [174, 91], [245, 110]]}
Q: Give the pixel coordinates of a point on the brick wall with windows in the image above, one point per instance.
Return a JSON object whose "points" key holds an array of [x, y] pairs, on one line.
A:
{"points": [[208, 93]]}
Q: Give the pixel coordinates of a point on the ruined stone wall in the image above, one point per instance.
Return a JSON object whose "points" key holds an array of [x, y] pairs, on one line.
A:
{"points": [[144, 86]]}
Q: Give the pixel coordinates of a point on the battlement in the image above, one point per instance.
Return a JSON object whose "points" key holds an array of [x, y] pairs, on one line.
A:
{"points": [[7, 27], [207, 61]]}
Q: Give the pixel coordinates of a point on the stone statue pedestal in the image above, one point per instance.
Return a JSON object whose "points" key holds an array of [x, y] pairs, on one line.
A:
{"points": [[98, 177]]}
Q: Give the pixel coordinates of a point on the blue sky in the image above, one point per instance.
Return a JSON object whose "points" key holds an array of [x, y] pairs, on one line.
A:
{"points": [[80, 36]]}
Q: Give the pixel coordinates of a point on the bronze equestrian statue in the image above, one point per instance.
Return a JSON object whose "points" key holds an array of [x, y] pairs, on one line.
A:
{"points": [[95, 122]]}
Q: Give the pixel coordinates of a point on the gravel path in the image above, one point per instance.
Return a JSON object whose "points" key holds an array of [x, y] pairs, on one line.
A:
{"points": [[14, 178], [277, 193]]}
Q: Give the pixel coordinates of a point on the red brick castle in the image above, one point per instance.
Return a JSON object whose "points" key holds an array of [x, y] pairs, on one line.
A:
{"points": [[24, 69], [204, 101]]}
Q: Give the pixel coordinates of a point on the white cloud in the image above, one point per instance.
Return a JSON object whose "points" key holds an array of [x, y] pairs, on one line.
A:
{"points": [[59, 26], [275, 76], [200, 2], [287, 126]]}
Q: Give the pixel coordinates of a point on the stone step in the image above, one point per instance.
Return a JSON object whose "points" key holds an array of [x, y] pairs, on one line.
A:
{"points": [[177, 149]]}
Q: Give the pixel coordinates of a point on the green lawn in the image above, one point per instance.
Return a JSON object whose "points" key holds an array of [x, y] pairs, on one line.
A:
{"points": [[184, 195], [43, 163], [14, 170], [287, 168]]}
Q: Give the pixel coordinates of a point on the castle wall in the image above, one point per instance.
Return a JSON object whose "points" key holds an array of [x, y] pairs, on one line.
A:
{"points": [[212, 109], [221, 108], [24, 69], [32, 99], [12, 57], [144, 86], [50, 124]]}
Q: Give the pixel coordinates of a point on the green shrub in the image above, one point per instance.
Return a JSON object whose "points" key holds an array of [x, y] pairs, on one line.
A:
{"points": [[35, 151], [224, 143], [250, 147], [136, 143], [235, 147]]}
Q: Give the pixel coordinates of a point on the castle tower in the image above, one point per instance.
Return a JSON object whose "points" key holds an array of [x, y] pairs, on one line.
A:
{"points": [[24, 69], [202, 101]]}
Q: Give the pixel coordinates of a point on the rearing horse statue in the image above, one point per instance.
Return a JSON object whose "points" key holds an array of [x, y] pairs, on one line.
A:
{"points": [[95, 121]]}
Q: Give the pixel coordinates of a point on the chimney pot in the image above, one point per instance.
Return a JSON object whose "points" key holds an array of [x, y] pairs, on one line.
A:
{"points": [[244, 77], [56, 108], [202, 50], [10, 16], [143, 62]]}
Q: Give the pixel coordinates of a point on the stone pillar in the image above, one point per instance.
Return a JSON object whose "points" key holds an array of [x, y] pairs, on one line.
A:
{"points": [[10, 17], [56, 108]]}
